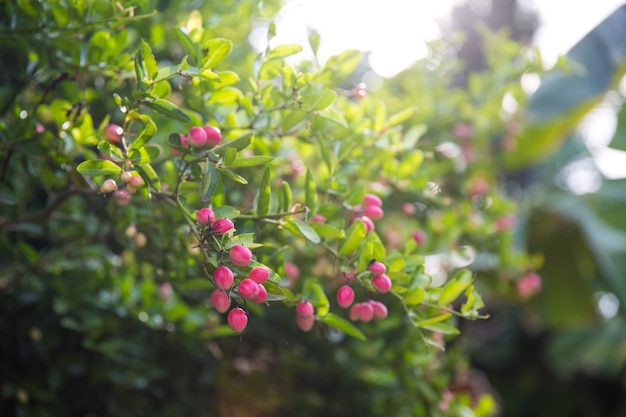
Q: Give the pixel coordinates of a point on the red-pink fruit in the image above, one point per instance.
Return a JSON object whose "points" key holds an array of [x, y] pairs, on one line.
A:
{"points": [[221, 226], [318, 218], [261, 297], [122, 198], [136, 181], [505, 222], [197, 137], [292, 271], [237, 319], [140, 240], [205, 216], [213, 135], [366, 312], [165, 291], [305, 323], [377, 268], [381, 283], [248, 289], [372, 200], [183, 140], [345, 296], [355, 312], [304, 308], [126, 176], [113, 133], [419, 237], [223, 277], [529, 285], [240, 255], [369, 224], [374, 212], [108, 186], [408, 208], [259, 274], [380, 310], [220, 300]]}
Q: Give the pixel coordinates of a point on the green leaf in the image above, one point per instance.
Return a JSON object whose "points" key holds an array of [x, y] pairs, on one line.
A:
{"points": [[167, 108], [145, 135], [111, 151], [400, 117], [149, 175], [211, 178], [318, 101], [226, 96], [333, 115], [310, 192], [312, 291], [225, 212], [140, 73], [299, 227], [327, 155], [442, 328], [356, 235], [218, 49], [286, 194], [96, 168], [149, 61], [188, 44], [232, 176], [432, 320], [264, 196], [292, 119], [251, 161], [314, 41], [144, 155], [343, 325], [414, 296], [282, 51], [327, 230], [242, 142], [182, 204], [455, 287], [230, 154]]}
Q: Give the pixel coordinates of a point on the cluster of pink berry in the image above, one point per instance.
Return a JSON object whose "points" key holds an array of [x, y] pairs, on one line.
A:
{"points": [[249, 288], [201, 137], [370, 209], [367, 310]]}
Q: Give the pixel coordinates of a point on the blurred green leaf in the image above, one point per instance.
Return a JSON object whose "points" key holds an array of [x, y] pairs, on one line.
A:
{"points": [[96, 168]]}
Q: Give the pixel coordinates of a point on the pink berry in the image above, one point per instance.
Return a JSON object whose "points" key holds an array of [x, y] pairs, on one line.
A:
{"points": [[381, 283], [380, 310], [165, 291], [506, 222], [122, 198], [355, 312], [237, 319], [240, 255], [419, 237], [292, 271], [136, 181], [205, 216], [318, 218], [259, 274], [126, 176], [371, 200], [197, 137], [345, 296], [221, 226], [529, 285], [220, 300], [261, 297], [108, 186], [305, 323], [183, 140], [374, 212], [248, 289], [223, 277], [213, 135], [366, 312], [377, 268], [369, 224], [304, 308], [113, 133]]}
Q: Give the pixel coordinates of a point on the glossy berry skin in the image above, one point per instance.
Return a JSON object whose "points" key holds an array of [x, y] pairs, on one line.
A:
{"points": [[380, 310], [369, 223], [240, 255], [305, 309], [292, 271], [223, 277], [371, 200], [377, 268], [220, 300], [221, 226], [381, 283], [259, 274], [213, 135], [261, 297], [197, 137], [305, 323], [419, 237], [113, 133], [345, 296], [374, 212], [355, 312], [366, 312], [108, 186], [237, 319], [205, 216], [248, 289]]}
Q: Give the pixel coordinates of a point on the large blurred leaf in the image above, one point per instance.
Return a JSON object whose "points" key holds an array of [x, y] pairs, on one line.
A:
{"points": [[597, 63]]}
